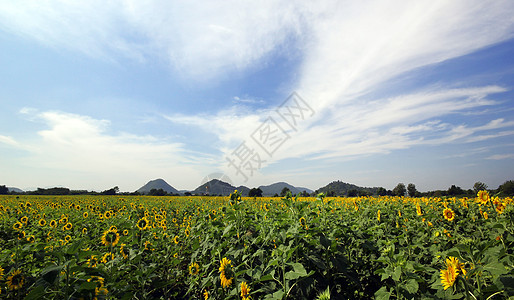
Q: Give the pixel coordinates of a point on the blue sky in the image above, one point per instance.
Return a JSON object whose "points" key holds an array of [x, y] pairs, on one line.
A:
{"points": [[97, 94]]}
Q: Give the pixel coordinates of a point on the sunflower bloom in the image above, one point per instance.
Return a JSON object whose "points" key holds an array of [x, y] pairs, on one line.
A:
{"points": [[15, 280], [500, 207], [206, 295], [225, 272], [453, 261], [42, 222], [483, 197], [142, 223], [110, 238], [378, 215], [1, 273], [448, 277], [418, 210], [194, 269], [245, 291], [448, 214], [303, 223]]}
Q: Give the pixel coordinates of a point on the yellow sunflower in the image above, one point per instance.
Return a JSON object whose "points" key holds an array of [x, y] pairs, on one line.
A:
{"points": [[448, 214], [84, 230], [21, 235], [42, 222], [124, 252], [31, 238], [418, 210], [142, 223], [500, 207], [194, 269], [125, 232], [110, 238], [378, 215], [107, 214], [53, 223], [68, 226], [85, 215], [17, 226], [486, 216], [15, 280], [175, 239], [245, 291], [206, 295], [92, 261], [67, 238], [303, 223], [107, 257], [453, 261], [24, 219], [483, 197], [448, 277], [226, 272], [1, 273]]}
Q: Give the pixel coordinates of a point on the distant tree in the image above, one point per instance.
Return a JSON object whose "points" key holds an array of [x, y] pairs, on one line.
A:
{"points": [[276, 195], [506, 189], [112, 191], [331, 194], [304, 194], [255, 192], [4, 190], [399, 190], [187, 194], [157, 192], [352, 193], [363, 193], [284, 191], [479, 186], [411, 189], [455, 190], [381, 191]]}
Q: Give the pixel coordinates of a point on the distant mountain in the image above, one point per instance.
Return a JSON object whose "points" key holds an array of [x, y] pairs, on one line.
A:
{"points": [[244, 190], [13, 189], [214, 187], [276, 188], [157, 184], [339, 188]]}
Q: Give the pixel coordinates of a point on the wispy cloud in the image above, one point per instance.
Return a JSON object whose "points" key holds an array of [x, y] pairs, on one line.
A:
{"points": [[501, 156], [8, 140], [74, 143]]}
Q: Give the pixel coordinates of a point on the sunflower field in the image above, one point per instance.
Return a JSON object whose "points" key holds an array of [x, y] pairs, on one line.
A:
{"points": [[137, 247]]}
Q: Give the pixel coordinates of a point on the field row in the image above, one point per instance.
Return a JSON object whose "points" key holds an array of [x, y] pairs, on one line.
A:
{"points": [[100, 247]]}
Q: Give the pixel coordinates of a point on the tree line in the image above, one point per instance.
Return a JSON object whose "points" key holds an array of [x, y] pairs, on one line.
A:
{"points": [[504, 190]]}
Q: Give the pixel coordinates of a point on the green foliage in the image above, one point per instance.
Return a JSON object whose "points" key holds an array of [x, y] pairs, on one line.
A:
{"points": [[282, 248], [399, 190]]}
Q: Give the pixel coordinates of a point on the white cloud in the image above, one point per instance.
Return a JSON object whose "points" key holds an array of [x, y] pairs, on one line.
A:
{"points": [[501, 156], [201, 40], [76, 147], [8, 140]]}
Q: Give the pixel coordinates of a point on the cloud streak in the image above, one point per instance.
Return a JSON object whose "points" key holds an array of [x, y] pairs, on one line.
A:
{"points": [[75, 144]]}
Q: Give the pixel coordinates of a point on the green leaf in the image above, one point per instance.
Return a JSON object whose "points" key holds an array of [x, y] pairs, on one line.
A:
{"points": [[324, 241], [278, 295], [49, 274], [293, 275], [411, 286], [298, 268], [397, 273], [36, 293], [495, 268], [382, 294]]}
